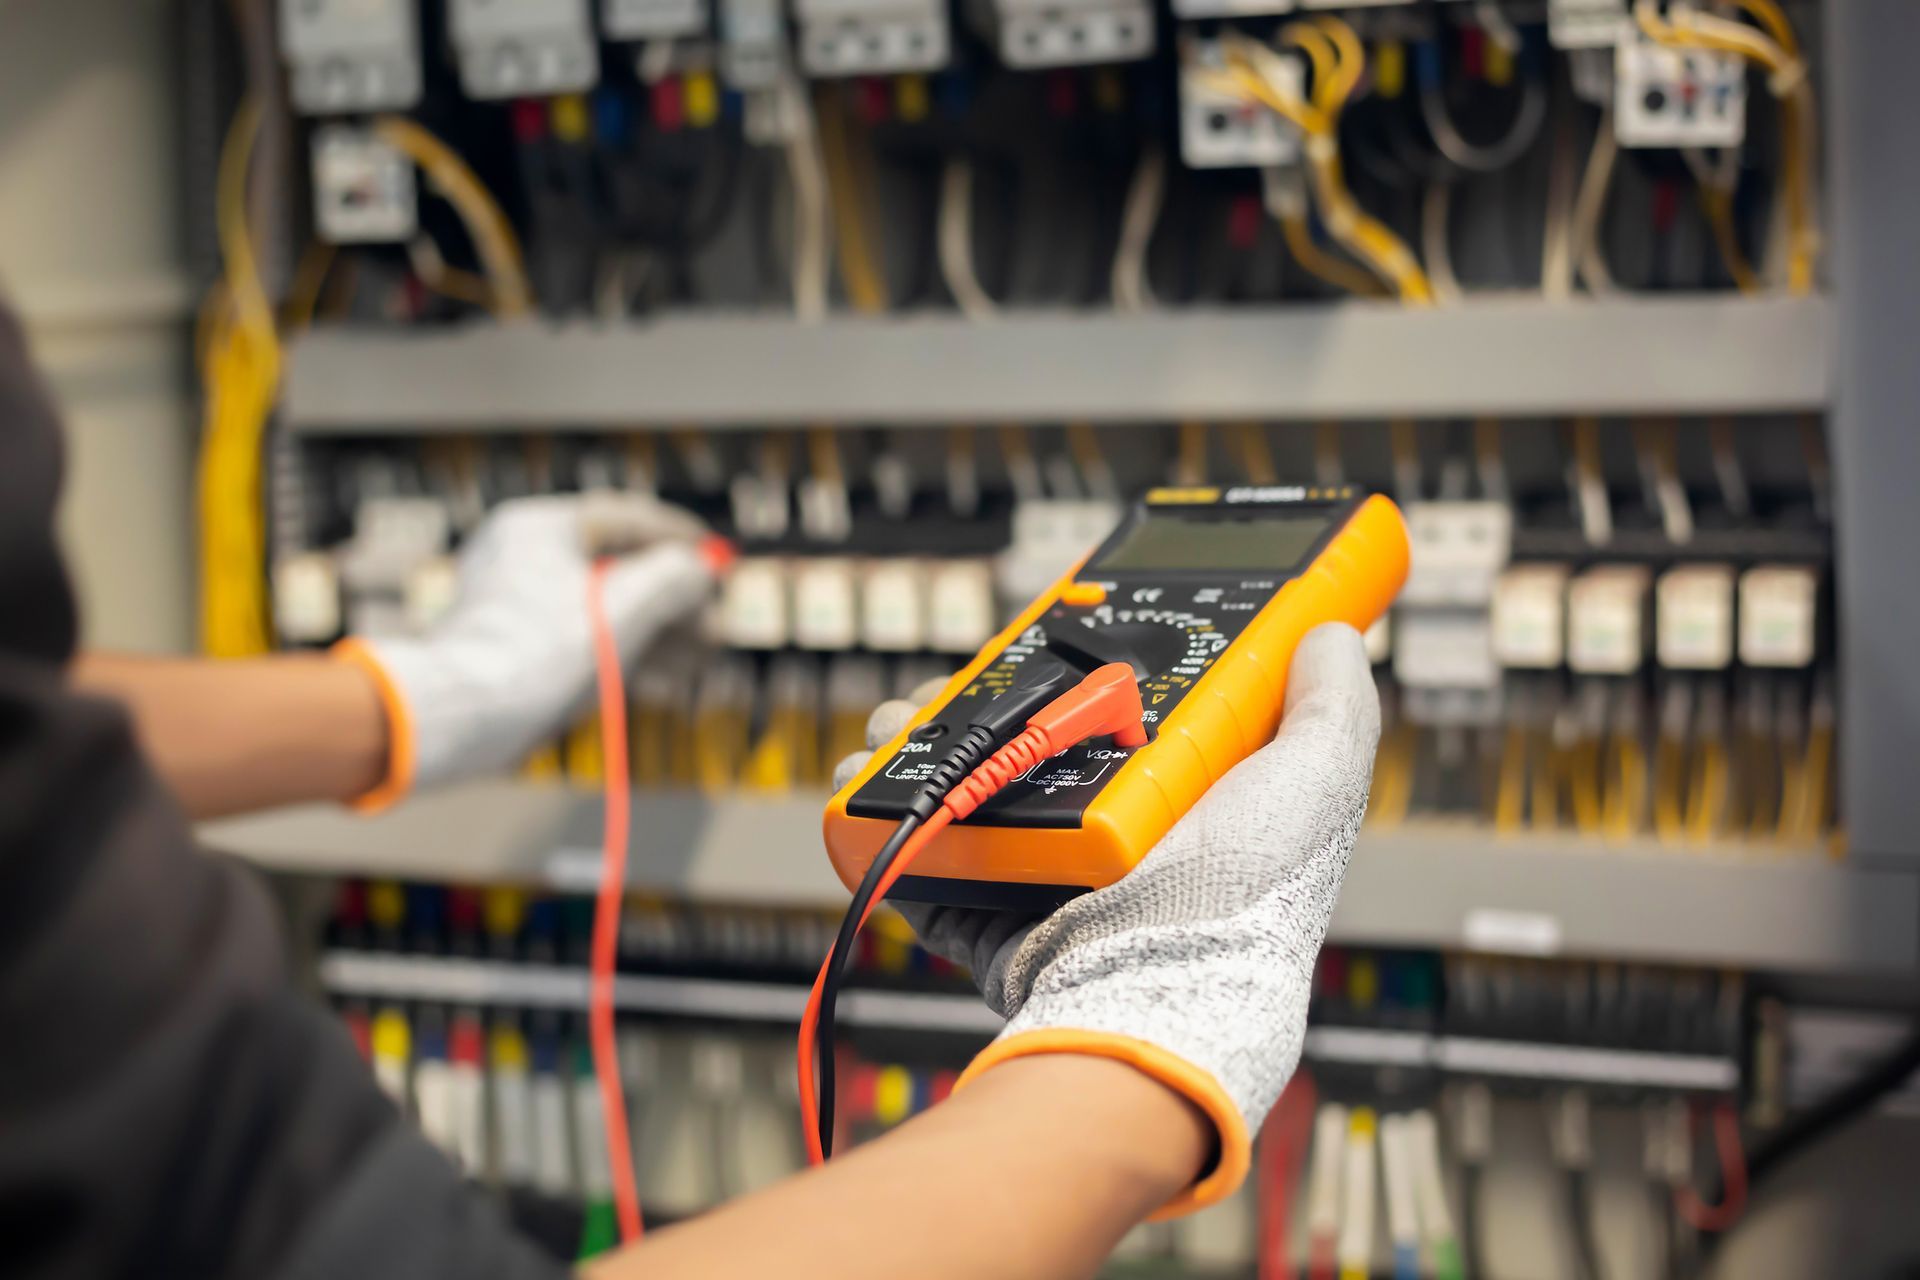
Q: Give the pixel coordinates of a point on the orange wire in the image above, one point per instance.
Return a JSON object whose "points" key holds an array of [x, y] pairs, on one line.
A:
{"points": [[606, 911], [1700, 1215], [810, 1020]]}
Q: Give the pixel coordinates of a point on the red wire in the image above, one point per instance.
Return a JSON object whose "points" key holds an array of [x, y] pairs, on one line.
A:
{"points": [[1283, 1142], [810, 1019], [1700, 1215], [606, 911]]}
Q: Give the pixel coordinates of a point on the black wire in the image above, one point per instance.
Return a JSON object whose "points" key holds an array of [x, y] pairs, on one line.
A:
{"points": [[1828, 1116], [1470, 1256], [837, 961], [1586, 1256]]}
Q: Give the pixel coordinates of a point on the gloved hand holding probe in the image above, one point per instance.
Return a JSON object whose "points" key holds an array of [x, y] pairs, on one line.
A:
{"points": [[1196, 967]]}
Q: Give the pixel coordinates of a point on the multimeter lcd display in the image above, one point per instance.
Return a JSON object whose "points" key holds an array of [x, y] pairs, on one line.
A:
{"points": [[1164, 541]]}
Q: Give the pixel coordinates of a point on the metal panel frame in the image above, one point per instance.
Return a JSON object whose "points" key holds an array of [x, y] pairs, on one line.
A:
{"points": [[1511, 357]]}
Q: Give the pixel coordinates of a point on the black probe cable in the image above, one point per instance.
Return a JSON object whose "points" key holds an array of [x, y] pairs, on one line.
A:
{"points": [[837, 962]]}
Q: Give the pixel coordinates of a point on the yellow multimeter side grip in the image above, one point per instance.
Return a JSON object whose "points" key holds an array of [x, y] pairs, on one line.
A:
{"points": [[1232, 710]]}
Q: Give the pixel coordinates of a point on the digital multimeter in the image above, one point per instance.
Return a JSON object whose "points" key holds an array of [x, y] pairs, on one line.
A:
{"points": [[1205, 592]]}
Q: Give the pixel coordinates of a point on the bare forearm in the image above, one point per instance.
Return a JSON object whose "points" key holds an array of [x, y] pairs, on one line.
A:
{"points": [[1034, 1171], [229, 736]]}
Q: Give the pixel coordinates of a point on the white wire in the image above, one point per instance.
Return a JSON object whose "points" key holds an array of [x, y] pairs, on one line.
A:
{"points": [[1323, 1172], [1590, 204], [955, 236], [1423, 1140], [1137, 221], [807, 171], [1556, 241], [1434, 245], [1397, 1172], [1492, 156]]}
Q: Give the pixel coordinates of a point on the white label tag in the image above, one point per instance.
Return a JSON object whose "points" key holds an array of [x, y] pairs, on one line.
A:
{"points": [[1530, 616], [961, 607], [434, 1104], [753, 605], [1777, 614], [306, 598], [1513, 933], [892, 609], [513, 1124], [1606, 620], [553, 1154], [826, 612], [1693, 617]]}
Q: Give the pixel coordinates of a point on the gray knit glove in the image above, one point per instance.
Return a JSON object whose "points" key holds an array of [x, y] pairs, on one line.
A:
{"points": [[1197, 966]]}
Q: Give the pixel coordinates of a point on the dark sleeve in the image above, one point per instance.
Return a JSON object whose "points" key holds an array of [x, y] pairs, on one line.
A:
{"points": [[169, 1105]]}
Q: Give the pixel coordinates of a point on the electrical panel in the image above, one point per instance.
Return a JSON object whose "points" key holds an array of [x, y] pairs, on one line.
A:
{"points": [[349, 56], [1694, 617], [513, 48], [1677, 97], [653, 19], [363, 189], [1219, 131], [1778, 606], [1065, 33], [871, 37]]}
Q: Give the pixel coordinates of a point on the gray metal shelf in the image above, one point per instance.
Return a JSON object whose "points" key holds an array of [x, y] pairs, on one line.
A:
{"points": [[1508, 356], [1422, 885], [381, 976]]}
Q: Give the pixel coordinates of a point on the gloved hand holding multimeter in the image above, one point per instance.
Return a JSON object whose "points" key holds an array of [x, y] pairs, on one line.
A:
{"points": [[1102, 903]]}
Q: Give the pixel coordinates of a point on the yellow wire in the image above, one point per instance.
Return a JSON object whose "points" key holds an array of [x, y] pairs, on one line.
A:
{"points": [[492, 234], [1331, 44], [853, 238], [1717, 206], [1316, 262], [309, 278], [1583, 767], [1669, 789], [1509, 803], [1791, 89], [1707, 792], [1190, 467], [1255, 456], [1548, 769], [1624, 805], [240, 368]]}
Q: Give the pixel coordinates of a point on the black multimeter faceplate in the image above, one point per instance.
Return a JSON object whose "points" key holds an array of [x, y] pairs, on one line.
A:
{"points": [[1183, 575]]}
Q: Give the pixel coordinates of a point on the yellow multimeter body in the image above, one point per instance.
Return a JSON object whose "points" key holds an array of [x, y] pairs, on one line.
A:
{"points": [[1206, 591]]}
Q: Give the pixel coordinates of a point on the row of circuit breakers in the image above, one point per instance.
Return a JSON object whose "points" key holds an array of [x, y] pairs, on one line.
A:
{"points": [[350, 57]]}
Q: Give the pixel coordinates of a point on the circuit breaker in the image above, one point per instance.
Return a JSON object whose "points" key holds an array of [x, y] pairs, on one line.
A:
{"points": [[351, 55], [363, 189], [872, 37], [1219, 130], [1062, 33], [653, 19], [510, 48], [1677, 97]]}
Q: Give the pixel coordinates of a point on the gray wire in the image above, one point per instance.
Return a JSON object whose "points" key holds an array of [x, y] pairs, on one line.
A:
{"points": [[1493, 156]]}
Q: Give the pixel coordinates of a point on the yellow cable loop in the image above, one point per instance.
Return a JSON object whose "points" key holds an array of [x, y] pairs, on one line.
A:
{"points": [[492, 234], [1789, 84], [1330, 41], [1669, 789], [1717, 206]]}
